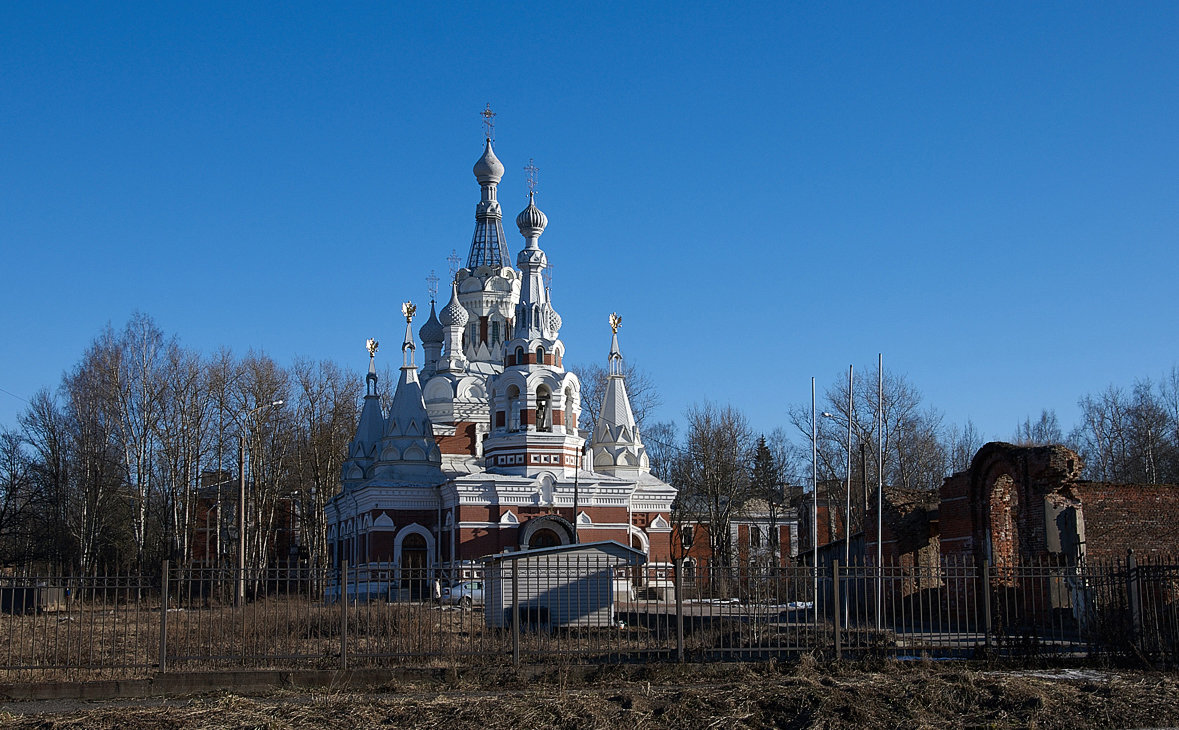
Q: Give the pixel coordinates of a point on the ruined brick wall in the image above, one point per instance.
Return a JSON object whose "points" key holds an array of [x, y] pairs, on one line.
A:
{"points": [[1118, 517], [995, 510], [910, 528]]}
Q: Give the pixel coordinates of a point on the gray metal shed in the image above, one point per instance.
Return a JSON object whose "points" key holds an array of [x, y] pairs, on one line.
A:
{"points": [[565, 585]]}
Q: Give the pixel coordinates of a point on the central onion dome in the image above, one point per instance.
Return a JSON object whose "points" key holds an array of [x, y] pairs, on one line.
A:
{"points": [[532, 220], [488, 169], [454, 315], [431, 332]]}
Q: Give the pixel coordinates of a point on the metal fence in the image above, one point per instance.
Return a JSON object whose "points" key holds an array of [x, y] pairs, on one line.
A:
{"points": [[192, 618]]}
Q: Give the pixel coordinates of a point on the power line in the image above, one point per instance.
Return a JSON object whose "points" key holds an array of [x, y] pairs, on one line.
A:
{"points": [[14, 395]]}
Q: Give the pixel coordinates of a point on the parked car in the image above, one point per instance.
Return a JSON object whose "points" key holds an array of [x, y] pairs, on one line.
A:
{"points": [[466, 593]]}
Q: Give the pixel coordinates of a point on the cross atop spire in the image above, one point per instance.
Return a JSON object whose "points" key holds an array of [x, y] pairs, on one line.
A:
{"points": [[454, 260], [488, 122], [532, 171]]}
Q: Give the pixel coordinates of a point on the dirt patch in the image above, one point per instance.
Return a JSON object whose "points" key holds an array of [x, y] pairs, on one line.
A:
{"points": [[801, 695]]}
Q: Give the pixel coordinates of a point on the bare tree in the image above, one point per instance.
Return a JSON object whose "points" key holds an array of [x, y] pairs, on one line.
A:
{"points": [[659, 439], [1102, 437], [181, 432], [17, 495], [325, 413], [962, 444], [640, 389], [1043, 432], [914, 450], [712, 472], [268, 437]]}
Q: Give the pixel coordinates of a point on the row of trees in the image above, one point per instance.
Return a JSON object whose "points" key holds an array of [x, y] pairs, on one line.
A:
{"points": [[122, 464], [139, 446], [722, 467]]}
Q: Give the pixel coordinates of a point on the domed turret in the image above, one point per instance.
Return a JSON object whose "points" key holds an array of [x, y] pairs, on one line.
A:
{"points": [[431, 332], [488, 169], [532, 220], [454, 315]]}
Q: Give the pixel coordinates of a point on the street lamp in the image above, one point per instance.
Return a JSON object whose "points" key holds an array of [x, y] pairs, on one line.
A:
{"points": [[240, 593]]}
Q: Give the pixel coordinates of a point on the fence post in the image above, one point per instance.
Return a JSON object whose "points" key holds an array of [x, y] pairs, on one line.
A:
{"points": [[164, 618], [986, 591], [343, 614], [679, 610], [835, 607], [515, 613], [1133, 598]]}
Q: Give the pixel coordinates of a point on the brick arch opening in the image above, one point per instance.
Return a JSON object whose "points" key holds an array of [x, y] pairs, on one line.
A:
{"points": [[1003, 506]]}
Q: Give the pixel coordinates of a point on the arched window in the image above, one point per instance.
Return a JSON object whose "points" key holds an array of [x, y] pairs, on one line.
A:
{"points": [[544, 415], [519, 355], [513, 408], [495, 331], [540, 356]]}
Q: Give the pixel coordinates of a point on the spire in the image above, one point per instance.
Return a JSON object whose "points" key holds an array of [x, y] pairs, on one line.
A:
{"points": [[616, 445], [488, 245], [363, 449], [409, 309], [615, 354], [408, 449]]}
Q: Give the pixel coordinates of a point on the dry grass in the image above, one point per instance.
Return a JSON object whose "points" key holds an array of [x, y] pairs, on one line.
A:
{"points": [[802, 695]]}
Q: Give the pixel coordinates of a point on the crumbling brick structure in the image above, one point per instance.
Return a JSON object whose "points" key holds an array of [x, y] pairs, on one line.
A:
{"points": [[1022, 505], [1012, 505]]}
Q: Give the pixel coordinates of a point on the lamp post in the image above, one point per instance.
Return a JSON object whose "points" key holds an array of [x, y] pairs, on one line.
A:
{"points": [[814, 508], [577, 485], [240, 593], [879, 488]]}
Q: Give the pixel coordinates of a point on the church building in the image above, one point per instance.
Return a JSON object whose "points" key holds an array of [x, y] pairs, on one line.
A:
{"points": [[484, 449]]}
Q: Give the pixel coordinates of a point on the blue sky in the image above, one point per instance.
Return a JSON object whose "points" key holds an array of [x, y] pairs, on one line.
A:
{"points": [[986, 192]]}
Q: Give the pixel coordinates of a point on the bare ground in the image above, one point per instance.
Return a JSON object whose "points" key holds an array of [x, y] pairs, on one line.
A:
{"points": [[800, 695]]}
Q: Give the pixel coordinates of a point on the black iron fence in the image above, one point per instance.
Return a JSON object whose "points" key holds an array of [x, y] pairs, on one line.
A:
{"points": [[192, 618]]}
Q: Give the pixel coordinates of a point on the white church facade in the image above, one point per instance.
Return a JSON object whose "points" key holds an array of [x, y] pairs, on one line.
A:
{"points": [[485, 448]]}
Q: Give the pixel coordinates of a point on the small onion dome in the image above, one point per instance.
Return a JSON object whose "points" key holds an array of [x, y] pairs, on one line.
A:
{"points": [[431, 332], [488, 169], [454, 315], [554, 319], [531, 220]]}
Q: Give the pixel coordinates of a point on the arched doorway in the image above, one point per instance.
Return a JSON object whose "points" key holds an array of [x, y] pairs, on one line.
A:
{"points": [[544, 538], [413, 565], [553, 529]]}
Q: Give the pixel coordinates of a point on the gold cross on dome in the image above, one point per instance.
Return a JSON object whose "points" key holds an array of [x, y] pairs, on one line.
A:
{"points": [[488, 122]]}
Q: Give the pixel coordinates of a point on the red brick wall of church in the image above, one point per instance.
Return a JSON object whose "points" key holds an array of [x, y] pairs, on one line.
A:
{"points": [[462, 442]]}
